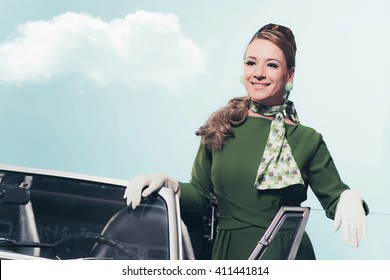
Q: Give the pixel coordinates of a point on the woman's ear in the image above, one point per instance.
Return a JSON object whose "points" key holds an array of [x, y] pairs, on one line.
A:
{"points": [[290, 74]]}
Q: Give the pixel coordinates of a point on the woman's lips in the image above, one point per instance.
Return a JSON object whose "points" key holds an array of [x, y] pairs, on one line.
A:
{"points": [[260, 85]]}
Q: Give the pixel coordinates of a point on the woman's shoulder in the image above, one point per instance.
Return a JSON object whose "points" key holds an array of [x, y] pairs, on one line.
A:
{"points": [[307, 129], [307, 132]]}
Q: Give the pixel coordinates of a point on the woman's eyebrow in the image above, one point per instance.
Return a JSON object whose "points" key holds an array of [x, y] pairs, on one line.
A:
{"points": [[251, 57], [268, 59]]}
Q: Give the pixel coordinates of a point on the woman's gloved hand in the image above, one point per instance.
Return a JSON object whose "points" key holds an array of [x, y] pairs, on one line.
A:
{"points": [[144, 185], [352, 218]]}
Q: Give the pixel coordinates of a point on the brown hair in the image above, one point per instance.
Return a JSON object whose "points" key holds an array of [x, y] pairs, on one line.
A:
{"points": [[219, 127]]}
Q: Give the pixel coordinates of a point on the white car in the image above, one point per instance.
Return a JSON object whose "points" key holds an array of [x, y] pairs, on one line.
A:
{"points": [[57, 215]]}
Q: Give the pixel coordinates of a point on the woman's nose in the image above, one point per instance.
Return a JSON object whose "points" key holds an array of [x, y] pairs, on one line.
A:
{"points": [[259, 72]]}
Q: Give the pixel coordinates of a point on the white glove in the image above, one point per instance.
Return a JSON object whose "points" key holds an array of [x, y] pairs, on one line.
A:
{"points": [[350, 214], [145, 185]]}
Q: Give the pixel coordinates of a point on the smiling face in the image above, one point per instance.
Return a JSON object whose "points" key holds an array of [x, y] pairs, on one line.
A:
{"points": [[266, 72]]}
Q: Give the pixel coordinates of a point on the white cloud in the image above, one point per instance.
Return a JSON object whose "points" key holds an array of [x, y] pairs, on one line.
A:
{"points": [[142, 49]]}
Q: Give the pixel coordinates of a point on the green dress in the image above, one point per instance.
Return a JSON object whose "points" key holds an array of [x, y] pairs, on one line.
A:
{"points": [[244, 211]]}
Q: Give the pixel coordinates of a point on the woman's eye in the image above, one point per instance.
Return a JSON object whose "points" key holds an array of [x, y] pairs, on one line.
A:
{"points": [[250, 63], [273, 65]]}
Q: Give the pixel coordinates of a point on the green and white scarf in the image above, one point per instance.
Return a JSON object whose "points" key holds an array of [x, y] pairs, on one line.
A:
{"points": [[278, 168]]}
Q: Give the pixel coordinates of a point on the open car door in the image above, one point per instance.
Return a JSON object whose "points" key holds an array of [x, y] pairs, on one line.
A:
{"points": [[296, 215]]}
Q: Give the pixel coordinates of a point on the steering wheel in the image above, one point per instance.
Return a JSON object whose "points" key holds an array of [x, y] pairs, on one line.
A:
{"points": [[69, 246]]}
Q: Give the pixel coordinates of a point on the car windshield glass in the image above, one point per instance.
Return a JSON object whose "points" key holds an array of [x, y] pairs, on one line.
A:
{"points": [[74, 218]]}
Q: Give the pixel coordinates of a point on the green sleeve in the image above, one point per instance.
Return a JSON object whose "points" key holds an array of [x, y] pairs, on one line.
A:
{"points": [[324, 178], [195, 195]]}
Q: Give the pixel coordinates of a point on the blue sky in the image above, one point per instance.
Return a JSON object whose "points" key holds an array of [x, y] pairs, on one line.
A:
{"points": [[118, 88]]}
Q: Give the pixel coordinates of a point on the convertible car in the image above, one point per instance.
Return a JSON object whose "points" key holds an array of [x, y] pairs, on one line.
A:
{"points": [[57, 215]]}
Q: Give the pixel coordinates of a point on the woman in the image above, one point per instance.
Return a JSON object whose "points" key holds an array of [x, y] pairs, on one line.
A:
{"points": [[255, 157]]}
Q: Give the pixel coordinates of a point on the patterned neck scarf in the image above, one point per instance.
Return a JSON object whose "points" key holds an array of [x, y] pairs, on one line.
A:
{"points": [[278, 168]]}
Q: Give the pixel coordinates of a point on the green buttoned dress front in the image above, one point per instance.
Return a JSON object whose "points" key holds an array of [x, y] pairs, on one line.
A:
{"points": [[244, 211]]}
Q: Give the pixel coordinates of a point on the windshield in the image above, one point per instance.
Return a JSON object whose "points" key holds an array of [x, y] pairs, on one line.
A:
{"points": [[71, 218]]}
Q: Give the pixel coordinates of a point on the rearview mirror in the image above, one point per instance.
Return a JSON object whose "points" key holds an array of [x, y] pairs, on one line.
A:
{"points": [[13, 194]]}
